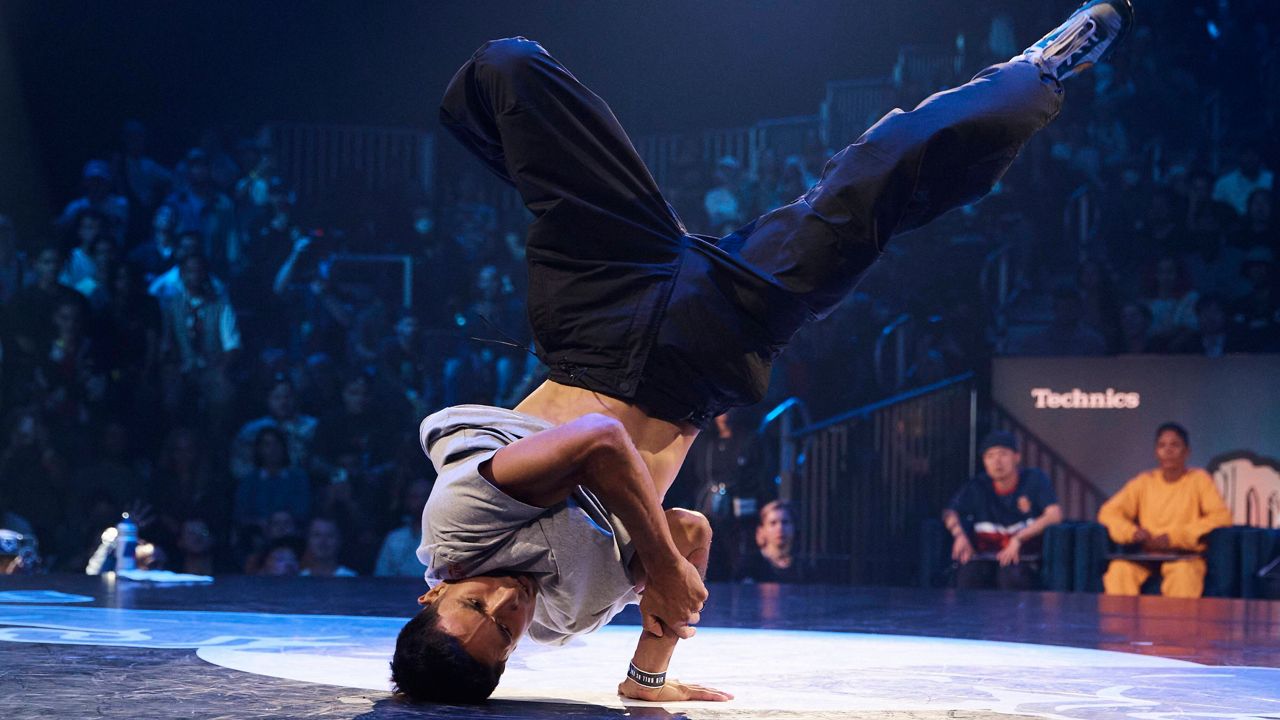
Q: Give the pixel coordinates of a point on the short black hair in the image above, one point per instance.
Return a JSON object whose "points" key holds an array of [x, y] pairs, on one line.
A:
{"points": [[1175, 428], [430, 665]]}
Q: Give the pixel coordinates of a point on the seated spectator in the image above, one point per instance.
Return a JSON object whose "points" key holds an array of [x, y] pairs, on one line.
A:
{"points": [[354, 428], [157, 253], [186, 484], [324, 542], [996, 520], [97, 286], [282, 558], [1167, 510], [33, 477], [1067, 335], [1214, 267], [1135, 326], [1255, 317], [1171, 300], [399, 554], [88, 228], [407, 366], [196, 549], [1235, 187], [112, 208], [273, 485], [1215, 338], [70, 377], [775, 537], [282, 413]]}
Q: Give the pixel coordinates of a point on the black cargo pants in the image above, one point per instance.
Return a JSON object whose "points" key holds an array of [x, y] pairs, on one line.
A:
{"points": [[624, 301]]}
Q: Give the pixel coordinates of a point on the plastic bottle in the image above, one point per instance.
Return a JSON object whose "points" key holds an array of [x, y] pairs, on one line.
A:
{"points": [[126, 544]]}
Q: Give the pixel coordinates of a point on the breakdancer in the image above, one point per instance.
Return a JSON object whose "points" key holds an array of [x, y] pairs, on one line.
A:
{"points": [[547, 519]]}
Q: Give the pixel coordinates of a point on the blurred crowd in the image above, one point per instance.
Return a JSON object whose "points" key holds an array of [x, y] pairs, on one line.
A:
{"points": [[185, 342]]}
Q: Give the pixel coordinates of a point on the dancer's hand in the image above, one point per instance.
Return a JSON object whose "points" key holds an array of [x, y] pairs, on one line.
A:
{"points": [[673, 596], [673, 691]]}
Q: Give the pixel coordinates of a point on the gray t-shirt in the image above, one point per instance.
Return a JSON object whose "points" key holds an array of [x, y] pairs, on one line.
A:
{"points": [[577, 551]]}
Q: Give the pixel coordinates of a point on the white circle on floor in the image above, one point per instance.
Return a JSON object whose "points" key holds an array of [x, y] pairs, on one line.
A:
{"points": [[774, 671]]}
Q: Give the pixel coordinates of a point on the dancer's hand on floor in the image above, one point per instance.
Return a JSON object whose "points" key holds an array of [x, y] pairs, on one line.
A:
{"points": [[674, 597], [673, 691]]}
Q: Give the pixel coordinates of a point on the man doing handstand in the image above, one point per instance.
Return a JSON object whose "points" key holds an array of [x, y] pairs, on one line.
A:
{"points": [[547, 519]]}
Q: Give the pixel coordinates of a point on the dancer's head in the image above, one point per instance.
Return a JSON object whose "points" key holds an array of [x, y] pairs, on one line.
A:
{"points": [[456, 648]]}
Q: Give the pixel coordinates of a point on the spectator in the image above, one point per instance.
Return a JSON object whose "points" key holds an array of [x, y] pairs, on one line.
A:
{"points": [[96, 287], [354, 428], [1255, 318], [98, 198], [1135, 327], [273, 485], [128, 328], [113, 472], [187, 484], [1258, 228], [775, 559], [202, 207], [282, 558], [399, 554], [70, 376], [1235, 188], [1214, 267], [88, 226], [158, 252], [33, 478], [324, 541], [1214, 338], [197, 549], [1171, 300], [996, 520], [14, 271], [1067, 335], [408, 367], [282, 413], [725, 204], [170, 281], [320, 316], [141, 179], [726, 467], [1165, 511], [202, 338]]}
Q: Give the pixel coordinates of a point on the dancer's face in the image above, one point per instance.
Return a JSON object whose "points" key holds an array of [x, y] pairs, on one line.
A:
{"points": [[488, 614]]}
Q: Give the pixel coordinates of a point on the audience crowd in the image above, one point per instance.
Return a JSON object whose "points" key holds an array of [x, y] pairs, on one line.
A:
{"points": [[182, 343]]}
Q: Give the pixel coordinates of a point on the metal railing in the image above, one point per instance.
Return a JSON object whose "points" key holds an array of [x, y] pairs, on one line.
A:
{"points": [[1079, 497], [852, 106], [313, 158], [865, 480], [893, 345]]}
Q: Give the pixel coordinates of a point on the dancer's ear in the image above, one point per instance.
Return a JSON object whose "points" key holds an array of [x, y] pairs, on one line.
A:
{"points": [[431, 595]]}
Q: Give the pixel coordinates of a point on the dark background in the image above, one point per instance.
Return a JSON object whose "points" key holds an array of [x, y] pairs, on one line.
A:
{"points": [[82, 69]]}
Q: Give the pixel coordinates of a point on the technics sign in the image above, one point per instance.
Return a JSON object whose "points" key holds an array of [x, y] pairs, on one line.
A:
{"points": [[1077, 399]]}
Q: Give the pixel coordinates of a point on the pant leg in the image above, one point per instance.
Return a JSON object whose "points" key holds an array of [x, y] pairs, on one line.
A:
{"points": [[1125, 577], [604, 245], [909, 168], [537, 127], [976, 575], [1183, 578]]}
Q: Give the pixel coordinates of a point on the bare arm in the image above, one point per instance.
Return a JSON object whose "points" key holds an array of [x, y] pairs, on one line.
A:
{"points": [[692, 534], [594, 451]]}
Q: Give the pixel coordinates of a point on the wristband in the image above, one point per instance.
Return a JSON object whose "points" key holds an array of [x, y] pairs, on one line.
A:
{"points": [[649, 680]]}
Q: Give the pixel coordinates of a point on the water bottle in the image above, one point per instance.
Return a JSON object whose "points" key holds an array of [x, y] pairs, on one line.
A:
{"points": [[126, 544]]}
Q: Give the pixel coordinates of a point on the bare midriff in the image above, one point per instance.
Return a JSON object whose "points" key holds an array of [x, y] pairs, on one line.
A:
{"points": [[662, 444]]}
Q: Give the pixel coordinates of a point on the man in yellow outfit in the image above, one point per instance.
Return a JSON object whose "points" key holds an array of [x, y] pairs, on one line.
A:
{"points": [[1167, 510]]}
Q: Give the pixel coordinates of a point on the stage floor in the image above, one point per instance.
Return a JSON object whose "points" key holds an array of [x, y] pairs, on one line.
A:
{"points": [[78, 646]]}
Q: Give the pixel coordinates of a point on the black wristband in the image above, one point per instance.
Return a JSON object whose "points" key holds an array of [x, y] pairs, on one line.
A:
{"points": [[646, 679]]}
